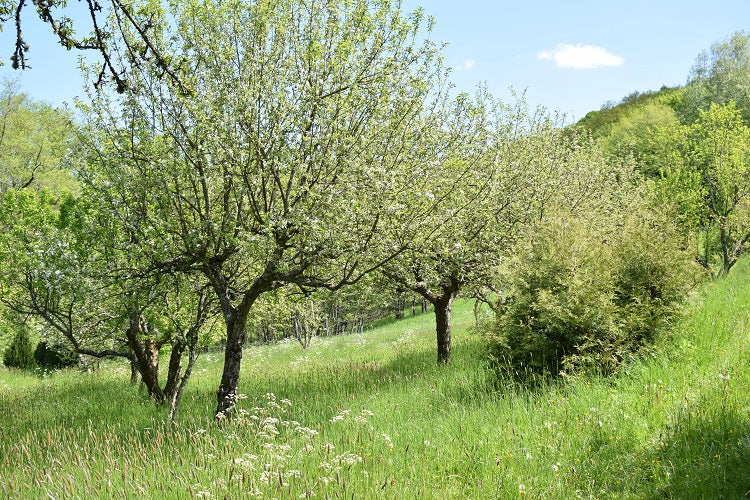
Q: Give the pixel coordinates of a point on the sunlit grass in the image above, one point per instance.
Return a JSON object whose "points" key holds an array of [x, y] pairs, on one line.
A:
{"points": [[373, 416]]}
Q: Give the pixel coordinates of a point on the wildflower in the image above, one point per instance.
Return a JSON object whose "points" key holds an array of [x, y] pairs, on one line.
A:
{"points": [[306, 431], [387, 440], [342, 414], [244, 463], [203, 494], [427, 442], [522, 489], [346, 458]]}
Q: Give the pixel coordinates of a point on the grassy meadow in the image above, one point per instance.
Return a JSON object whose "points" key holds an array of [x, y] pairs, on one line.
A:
{"points": [[373, 416]]}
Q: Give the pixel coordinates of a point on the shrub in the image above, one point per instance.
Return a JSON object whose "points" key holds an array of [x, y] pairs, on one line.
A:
{"points": [[54, 356], [581, 297], [20, 353]]}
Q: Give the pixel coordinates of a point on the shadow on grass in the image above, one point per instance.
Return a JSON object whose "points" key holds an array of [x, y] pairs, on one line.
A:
{"points": [[707, 456], [74, 400], [412, 369]]}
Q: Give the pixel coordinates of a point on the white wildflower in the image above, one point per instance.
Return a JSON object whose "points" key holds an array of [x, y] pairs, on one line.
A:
{"points": [[387, 440]]}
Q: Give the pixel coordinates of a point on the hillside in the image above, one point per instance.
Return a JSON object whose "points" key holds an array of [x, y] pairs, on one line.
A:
{"points": [[372, 416], [600, 122]]}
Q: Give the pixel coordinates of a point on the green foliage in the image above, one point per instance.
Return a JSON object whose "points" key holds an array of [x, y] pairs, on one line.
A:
{"points": [[719, 76], [638, 134], [586, 296], [600, 123], [34, 141], [20, 353], [707, 180], [54, 356]]}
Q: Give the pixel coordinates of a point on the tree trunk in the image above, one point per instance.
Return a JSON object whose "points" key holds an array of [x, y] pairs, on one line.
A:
{"points": [[84, 364], [133, 369], [147, 358], [443, 306], [173, 373], [174, 403], [399, 307], [150, 372], [227, 393], [727, 258]]}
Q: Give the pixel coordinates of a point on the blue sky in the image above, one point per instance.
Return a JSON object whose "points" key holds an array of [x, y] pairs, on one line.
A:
{"points": [[570, 56]]}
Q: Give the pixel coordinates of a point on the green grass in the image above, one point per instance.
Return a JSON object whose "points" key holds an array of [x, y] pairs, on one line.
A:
{"points": [[373, 416]]}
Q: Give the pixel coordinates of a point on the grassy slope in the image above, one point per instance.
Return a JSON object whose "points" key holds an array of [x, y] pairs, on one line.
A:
{"points": [[676, 424]]}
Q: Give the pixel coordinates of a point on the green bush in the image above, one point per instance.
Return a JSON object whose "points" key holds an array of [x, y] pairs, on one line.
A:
{"points": [[581, 297], [20, 353], [53, 356]]}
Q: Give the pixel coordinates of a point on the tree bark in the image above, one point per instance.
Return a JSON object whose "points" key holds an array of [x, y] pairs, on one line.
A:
{"points": [[227, 393], [147, 358], [133, 370], [176, 397], [173, 373], [399, 307], [727, 259], [443, 306]]}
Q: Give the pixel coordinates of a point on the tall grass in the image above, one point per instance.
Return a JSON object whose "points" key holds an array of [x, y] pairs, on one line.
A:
{"points": [[374, 416]]}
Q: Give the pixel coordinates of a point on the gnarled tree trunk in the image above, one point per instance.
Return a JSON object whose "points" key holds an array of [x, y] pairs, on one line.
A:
{"points": [[227, 393], [443, 307]]}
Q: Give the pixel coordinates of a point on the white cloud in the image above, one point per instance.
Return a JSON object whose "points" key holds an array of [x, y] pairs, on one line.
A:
{"points": [[467, 65], [580, 56]]}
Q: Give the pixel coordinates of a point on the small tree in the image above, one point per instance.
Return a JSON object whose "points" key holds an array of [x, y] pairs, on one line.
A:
{"points": [[497, 168], [719, 150], [709, 181], [20, 353]]}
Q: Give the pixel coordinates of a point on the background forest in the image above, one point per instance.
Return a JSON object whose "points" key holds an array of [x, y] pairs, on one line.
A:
{"points": [[268, 201]]}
